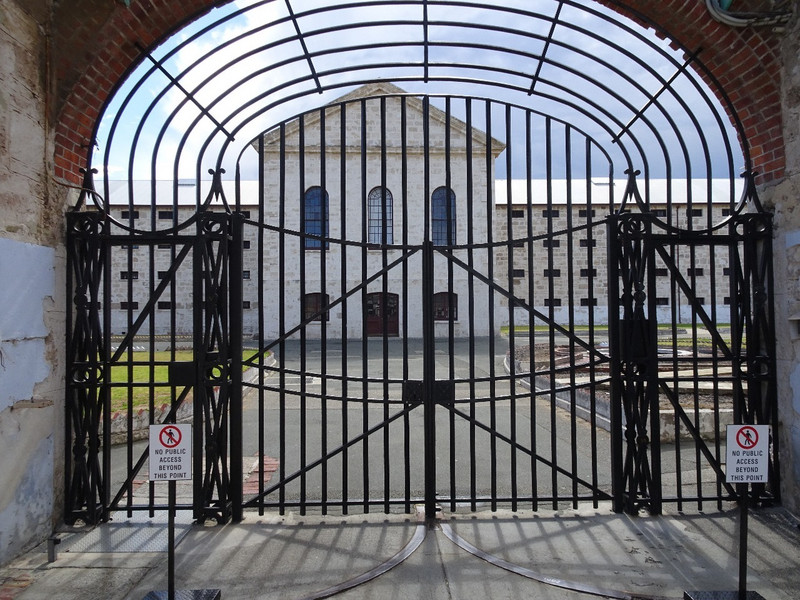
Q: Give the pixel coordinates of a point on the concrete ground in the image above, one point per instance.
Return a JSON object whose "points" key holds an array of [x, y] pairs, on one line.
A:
{"points": [[549, 554], [570, 554]]}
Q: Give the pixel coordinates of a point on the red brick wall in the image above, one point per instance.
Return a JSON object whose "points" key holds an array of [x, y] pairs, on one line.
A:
{"points": [[94, 44]]}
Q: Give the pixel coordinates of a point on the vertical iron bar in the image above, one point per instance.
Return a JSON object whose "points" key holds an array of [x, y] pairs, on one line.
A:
{"points": [[323, 298], [199, 308], [744, 501], [573, 433], [261, 323], [511, 309], [364, 295], [385, 293], [171, 540], [428, 342], [129, 418], [304, 245], [551, 313], [105, 353], [235, 258], [471, 305], [344, 286], [591, 320], [282, 311], [613, 252], [451, 241], [490, 274], [653, 445], [531, 302], [405, 229], [429, 378]]}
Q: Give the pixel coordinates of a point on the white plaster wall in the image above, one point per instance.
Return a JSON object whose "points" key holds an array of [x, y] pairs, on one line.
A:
{"points": [[31, 276], [27, 417]]}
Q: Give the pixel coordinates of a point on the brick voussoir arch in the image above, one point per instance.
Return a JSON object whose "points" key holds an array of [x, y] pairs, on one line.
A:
{"points": [[744, 61]]}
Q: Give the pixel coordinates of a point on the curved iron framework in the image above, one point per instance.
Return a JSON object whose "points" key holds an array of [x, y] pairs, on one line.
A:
{"points": [[623, 102]]}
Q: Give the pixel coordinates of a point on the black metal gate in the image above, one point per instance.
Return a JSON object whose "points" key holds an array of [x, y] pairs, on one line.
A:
{"points": [[382, 322]]}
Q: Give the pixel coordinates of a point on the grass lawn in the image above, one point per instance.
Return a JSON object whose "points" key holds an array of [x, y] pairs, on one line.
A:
{"points": [[145, 373]]}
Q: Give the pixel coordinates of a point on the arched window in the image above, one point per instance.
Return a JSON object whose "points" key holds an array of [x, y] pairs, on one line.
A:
{"points": [[445, 306], [443, 222], [380, 212], [315, 216], [313, 305]]}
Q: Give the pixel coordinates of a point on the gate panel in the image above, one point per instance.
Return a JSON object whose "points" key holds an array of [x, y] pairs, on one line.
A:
{"points": [[673, 400], [420, 330], [152, 338], [391, 202]]}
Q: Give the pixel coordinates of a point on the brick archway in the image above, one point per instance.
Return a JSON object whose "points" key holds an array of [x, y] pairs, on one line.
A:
{"points": [[95, 43]]}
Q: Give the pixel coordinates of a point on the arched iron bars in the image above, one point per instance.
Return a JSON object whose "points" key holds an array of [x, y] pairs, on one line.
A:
{"points": [[492, 77]]}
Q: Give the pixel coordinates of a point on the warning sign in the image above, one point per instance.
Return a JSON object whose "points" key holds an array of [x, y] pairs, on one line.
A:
{"points": [[748, 454], [170, 452]]}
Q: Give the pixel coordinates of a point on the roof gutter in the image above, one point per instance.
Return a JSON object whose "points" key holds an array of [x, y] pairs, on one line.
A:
{"points": [[745, 19]]}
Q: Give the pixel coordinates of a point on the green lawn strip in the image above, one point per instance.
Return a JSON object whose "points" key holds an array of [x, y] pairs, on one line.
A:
{"points": [[147, 379]]}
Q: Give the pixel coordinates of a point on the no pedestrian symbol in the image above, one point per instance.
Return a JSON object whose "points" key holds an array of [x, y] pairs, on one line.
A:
{"points": [[747, 438], [748, 454], [170, 452], [170, 436]]}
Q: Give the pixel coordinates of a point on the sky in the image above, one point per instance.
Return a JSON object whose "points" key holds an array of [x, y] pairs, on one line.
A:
{"points": [[239, 62]]}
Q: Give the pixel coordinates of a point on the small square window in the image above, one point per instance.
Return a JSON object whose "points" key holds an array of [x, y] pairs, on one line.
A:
{"points": [[164, 246], [588, 243], [165, 305], [552, 301], [588, 272], [129, 275], [245, 213], [129, 305], [662, 272], [588, 301], [726, 300], [550, 243], [696, 271], [583, 212], [165, 214], [163, 274], [517, 214], [129, 214], [550, 213], [246, 244], [518, 272], [726, 212], [552, 272], [245, 274], [726, 271], [246, 304], [659, 212], [662, 301], [695, 212]]}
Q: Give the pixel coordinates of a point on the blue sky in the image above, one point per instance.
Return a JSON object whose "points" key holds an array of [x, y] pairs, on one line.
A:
{"points": [[234, 63]]}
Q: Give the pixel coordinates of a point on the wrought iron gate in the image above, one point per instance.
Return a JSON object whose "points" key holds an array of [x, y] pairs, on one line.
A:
{"points": [[415, 329]]}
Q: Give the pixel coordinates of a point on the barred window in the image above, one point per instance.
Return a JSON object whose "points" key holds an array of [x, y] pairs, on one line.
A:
{"points": [[379, 208], [314, 304], [445, 306]]}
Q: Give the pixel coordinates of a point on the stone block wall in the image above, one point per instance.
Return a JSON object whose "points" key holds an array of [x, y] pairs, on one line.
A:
{"points": [[31, 288], [784, 199]]}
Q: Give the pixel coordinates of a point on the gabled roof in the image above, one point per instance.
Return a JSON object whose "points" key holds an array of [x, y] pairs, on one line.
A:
{"points": [[385, 88]]}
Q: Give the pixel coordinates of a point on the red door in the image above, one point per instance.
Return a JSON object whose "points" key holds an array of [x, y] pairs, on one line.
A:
{"points": [[382, 310]]}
